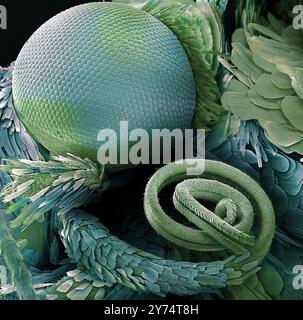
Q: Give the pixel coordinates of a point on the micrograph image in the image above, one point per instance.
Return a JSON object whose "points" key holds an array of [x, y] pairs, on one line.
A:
{"points": [[151, 150]]}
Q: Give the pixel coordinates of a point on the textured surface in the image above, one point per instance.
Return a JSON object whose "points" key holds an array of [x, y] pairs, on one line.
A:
{"points": [[282, 179], [267, 61], [95, 65], [14, 143], [101, 266], [198, 26], [228, 226]]}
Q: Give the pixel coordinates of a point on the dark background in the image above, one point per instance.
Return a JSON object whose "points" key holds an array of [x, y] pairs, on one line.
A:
{"points": [[26, 16]]}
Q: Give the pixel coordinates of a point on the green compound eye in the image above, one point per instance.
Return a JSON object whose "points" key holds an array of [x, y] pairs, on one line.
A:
{"points": [[95, 65]]}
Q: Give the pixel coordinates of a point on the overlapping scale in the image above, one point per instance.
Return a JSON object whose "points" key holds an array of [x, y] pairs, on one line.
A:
{"points": [[267, 61]]}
